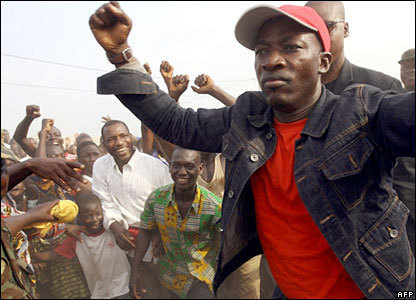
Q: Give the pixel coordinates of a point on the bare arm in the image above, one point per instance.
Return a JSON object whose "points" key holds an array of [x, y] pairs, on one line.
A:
{"points": [[20, 134], [142, 243], [49, 255], [39, 213], [207, 86], [46, 127], [58, 170]]}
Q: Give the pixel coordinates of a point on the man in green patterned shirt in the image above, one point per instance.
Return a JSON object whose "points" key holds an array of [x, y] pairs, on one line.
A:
{"points": [[187, 217]]}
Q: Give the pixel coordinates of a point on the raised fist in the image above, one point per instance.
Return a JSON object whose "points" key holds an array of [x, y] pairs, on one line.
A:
{"points": [[111, 27], [166, 70], [205, 84], [47, 124], [33, 111]]}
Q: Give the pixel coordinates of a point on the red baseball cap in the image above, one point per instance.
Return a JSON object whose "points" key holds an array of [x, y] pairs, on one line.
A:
{"points": [[250, 22]]}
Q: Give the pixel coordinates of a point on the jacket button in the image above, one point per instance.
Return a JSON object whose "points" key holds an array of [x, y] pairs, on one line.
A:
{"points": [[269, 136], [394, 233], [254, 157], [231, 194]]}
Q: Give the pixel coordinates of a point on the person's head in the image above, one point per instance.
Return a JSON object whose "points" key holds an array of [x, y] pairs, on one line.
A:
{"points": [[54, 151], [88, 153], [291, 46], [407, 69], [54, 137], [5, 136], [83, 137], [185, 167], [72, 149], [333, 14], [118, 141], [90, 213], [20, 153], [17, 191]]}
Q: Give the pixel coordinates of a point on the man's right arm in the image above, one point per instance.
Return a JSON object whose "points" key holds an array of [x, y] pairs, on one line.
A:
{"points": [[20, 134], [137, 91]]}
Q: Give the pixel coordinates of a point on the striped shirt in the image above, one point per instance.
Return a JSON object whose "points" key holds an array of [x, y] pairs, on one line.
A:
{"points": [[123, 195], [191, 244]]}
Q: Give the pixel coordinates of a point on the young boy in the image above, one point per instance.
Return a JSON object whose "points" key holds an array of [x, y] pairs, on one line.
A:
{"points": [[105, 265]]}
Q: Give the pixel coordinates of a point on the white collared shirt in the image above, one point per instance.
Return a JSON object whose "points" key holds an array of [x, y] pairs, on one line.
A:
{"points": [[123, 195]]}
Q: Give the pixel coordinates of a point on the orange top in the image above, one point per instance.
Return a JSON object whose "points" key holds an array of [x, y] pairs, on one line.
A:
{"points": [[301, 260]]}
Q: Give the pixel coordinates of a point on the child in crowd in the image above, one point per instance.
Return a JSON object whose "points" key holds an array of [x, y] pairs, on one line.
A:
{"points": [[105, 265]]}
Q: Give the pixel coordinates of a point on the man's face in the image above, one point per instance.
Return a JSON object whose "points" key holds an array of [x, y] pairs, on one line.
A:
{"points": [[118, 142], [17, 191], [331, 11], [184, 168], [288, 64], [54, 137], [88, 155], [407, 74], [91, 216], [54, 151]]}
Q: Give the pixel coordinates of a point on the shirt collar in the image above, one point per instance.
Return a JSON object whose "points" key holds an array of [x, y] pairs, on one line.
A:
{"points": [[131, 163], [195, 204]]}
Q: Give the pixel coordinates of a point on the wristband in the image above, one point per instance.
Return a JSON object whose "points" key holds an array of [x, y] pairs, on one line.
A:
{"points": [[125, 56]]}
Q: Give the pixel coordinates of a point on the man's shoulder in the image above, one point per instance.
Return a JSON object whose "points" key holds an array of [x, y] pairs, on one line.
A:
{"points": [[163, 190], [103, 160], [210, 196], [375, 78]]}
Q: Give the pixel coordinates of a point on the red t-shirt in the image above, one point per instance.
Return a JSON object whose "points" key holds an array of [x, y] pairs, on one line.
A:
{"points": [[300, 258]]}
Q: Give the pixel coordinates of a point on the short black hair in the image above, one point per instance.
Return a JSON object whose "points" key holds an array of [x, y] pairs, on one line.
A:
{"points": [[112, 122], [83, 145], [83, 200]]}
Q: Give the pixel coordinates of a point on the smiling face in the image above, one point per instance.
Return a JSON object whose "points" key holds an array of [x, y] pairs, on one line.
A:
{"points": [[91, 215], [54, 137], [118, 142], [288, 63], [185, 168]]}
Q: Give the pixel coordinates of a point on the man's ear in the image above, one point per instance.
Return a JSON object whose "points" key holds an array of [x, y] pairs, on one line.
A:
{"points": [[201, 167], [325, 59], [346, 30]]}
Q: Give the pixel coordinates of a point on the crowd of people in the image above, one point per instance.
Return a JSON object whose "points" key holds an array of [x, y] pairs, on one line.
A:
{"points": [[304, 189]]}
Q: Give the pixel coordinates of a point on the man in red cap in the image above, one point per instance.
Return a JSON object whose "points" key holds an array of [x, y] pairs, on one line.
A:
{"points": [[308, 173]]}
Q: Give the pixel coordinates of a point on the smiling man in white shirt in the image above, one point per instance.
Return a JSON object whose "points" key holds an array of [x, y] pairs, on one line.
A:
{"points": [[123, 179]]}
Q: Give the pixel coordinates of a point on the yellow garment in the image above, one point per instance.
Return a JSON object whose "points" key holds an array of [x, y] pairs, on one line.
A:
{"points": [[65, 211]]}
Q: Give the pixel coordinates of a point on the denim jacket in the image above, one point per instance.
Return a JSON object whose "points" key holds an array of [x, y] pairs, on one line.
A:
{"points": [[343, 164]]}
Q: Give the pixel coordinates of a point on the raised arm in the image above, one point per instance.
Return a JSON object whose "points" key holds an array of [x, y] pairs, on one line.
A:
{"points": [[207, 86], [20, 134], [166, 70], [46, 127]]}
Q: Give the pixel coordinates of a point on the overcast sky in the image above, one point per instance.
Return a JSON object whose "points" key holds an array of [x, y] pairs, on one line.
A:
{"points": [[49, 56]]}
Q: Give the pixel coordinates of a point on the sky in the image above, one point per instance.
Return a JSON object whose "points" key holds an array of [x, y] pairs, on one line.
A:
{"points": [[50, 58]]}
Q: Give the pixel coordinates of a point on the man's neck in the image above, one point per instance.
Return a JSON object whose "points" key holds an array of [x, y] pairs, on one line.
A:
{"points": [[334, 71], [187, 195], [299, 114], [121, 164]]}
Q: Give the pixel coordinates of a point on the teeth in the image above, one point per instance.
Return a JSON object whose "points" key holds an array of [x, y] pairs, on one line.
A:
{"points": [[121, 150]]}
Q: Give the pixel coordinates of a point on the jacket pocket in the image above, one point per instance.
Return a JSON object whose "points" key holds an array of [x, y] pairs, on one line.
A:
{"points": [[347, 173], [231, 147], [387, 242]]}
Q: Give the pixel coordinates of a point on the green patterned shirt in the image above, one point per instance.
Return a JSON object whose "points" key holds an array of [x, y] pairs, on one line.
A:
{"points": [[191, 244]]}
